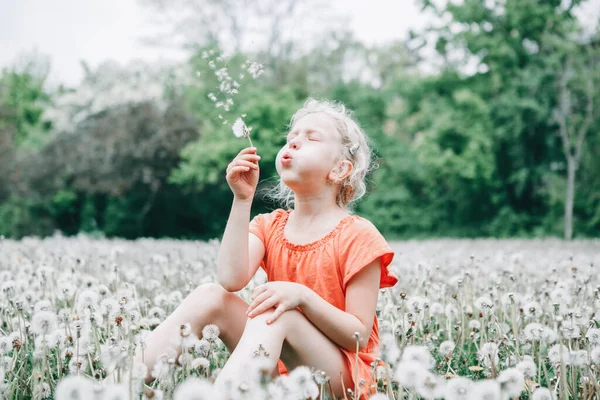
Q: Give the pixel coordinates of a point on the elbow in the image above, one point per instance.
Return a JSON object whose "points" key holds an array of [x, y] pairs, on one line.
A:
{"points": [[229, 286], [360, 338]]}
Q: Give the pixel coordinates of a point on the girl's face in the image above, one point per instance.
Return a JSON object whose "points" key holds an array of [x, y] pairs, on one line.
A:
{"points": [[311, 153]]}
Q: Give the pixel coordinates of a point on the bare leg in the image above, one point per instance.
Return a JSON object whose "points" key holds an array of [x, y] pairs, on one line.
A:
{"points": [[294, 339], [207, 304]]}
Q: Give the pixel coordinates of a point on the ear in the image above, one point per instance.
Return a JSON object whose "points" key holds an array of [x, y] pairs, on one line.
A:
{"points": [[341, 172]]}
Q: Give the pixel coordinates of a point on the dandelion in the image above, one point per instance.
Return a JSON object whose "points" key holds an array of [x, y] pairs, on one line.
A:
{"points": [[115, 392], [486, 389], [511, 381], [201, 363], [595, 355], [196, 389], [554, 353], [488, 354], [527, 367], [593, 335], [6, 345], [533, 331], [202, 347], [43, 322], [578, 358], [303, 379], [210, 332], [241, 130], [447, 347], [418, 354], [74, 387], [410, 374], [542, 394], [457, 388], [484, 304]]}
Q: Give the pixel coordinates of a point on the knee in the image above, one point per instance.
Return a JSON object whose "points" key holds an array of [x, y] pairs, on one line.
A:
{"points": [[288, 320], [212, 297]]}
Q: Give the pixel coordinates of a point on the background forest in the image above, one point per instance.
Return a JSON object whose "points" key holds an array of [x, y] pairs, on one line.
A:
{"points": [[501, 140]]}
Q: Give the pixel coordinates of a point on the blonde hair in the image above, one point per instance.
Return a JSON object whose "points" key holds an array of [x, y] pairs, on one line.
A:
{"points": [[355, 148]]}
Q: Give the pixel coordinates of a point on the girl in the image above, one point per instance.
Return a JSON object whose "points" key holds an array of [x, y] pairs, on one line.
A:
{"points": [[324, 265]]}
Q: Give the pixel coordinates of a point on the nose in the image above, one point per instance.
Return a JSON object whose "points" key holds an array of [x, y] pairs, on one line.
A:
{"points": [[294, 144]]}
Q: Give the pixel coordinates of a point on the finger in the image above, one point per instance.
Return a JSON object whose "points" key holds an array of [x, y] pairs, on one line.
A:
{"points": [[264, 306], [261, 297], [247, 150], [278, 311], [249, 157], [258, 290], [237, 170], [245, 163]]}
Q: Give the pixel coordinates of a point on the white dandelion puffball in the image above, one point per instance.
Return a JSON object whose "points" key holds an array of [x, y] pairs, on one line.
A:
{"points": [[410, 374], [542, 394], [210, 332], [511, 381], [447, 347], [457, 388], [43, 322], [527, 367], [555, 354], [74, 387], [196, 389], [115, 392], [595, 355], [487, 389], [240, 129], [418, 354], [488, 354]]}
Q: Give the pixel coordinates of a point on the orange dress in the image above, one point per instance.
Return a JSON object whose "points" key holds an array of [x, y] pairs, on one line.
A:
{"points": [[326, 266]]}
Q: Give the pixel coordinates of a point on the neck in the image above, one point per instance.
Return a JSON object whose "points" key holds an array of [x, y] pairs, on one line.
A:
{"points": [[315, 205]]}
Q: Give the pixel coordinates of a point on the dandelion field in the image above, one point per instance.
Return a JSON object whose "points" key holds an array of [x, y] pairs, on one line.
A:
{"points": [[469, 319]]}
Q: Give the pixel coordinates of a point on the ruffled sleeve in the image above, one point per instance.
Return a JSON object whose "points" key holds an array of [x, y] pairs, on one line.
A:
{"points": [[263, 225], [257, 226], [361, 244]]}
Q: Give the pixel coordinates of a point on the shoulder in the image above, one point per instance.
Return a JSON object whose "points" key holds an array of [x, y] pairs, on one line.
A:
{"points": [[361, 226], [270, 218]]}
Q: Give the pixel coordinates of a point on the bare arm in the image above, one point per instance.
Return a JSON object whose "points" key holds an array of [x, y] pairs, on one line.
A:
{"points": [[240, 252], [361, 301]]}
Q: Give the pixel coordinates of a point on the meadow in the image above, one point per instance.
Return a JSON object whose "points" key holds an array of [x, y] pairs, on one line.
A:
{"points": [[469, 319]]}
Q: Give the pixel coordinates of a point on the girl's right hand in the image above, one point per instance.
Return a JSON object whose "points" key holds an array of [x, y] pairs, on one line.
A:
{"points": [[242, 174]]}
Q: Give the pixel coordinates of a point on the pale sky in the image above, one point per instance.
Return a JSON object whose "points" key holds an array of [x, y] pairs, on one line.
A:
{"points": [[69, 31]]}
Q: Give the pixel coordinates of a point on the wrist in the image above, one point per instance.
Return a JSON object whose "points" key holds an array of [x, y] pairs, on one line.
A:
{"points": [[305, 294], [247, 201]]}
